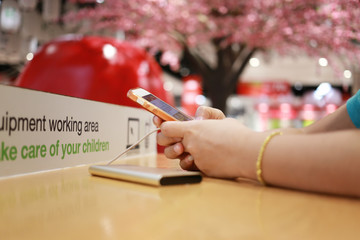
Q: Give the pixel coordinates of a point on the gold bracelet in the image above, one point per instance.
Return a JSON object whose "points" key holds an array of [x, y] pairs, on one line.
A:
{"points": [[260, 157]]}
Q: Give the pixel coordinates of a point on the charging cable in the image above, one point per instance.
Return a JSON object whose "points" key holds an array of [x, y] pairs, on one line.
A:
{"points": [[132, 146]]}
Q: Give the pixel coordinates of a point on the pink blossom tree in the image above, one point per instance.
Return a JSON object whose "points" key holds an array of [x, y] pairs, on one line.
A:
{"points": [[218, 37]]}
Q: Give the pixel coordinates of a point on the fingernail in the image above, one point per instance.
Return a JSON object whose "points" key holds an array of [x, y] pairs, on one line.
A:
{"points": [[190, 158], [177, 149]]}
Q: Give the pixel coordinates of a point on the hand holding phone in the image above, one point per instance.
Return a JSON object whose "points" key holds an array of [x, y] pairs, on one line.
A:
{"points": [[157, 106], [165, 112]]}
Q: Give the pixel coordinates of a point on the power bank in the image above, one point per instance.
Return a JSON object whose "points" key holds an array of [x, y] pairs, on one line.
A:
{"points": [[146, 175]]}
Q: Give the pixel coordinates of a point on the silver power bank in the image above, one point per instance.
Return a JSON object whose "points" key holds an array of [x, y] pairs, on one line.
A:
{"points": [[146, 175]]}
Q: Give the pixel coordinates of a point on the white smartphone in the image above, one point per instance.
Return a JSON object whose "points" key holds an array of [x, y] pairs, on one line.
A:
{"points": [[157, 106], [146, 175]]}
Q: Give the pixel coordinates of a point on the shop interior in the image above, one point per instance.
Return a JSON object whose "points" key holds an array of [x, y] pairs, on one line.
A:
{"points": [[273, 90], [269, 64]]}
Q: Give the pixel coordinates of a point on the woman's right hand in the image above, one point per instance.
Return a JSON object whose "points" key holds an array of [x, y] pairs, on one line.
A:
{"points": [[174, 148]]}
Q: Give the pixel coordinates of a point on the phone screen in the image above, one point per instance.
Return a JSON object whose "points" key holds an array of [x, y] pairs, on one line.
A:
{"points": [[167, 108]]}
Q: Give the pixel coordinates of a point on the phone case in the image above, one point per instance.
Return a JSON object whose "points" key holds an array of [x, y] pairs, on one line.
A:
{"points": [[151, 108]]}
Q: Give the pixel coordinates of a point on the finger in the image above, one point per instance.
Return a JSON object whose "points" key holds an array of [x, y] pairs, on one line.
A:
{"points": [[188, 163], [163, 140], [157, 121], [174, 151], [183, 156], [174, 129], [204, 112]]}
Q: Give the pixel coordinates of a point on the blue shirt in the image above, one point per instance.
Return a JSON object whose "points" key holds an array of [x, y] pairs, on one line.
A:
{"points": [[353, 109]]}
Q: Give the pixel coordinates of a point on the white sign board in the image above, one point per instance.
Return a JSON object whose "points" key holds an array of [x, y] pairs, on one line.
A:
{"points": [[43, 131]]}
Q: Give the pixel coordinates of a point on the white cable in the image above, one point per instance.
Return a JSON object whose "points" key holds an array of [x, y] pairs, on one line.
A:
{"points": [[132, 146]]}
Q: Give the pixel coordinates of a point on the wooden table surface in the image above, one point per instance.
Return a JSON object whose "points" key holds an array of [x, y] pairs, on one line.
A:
{"points": [[71, 204]]}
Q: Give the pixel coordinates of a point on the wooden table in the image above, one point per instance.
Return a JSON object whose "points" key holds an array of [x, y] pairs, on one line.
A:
{"points": [[71, 204]]}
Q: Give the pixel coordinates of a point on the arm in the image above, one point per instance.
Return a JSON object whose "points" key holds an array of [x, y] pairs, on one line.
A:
{"points": [[322, 162], [324, 159], [338, 120]]}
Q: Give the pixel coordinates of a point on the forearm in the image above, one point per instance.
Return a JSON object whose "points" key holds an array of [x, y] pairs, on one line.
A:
{"points": [[325, 162], [339, 120]]}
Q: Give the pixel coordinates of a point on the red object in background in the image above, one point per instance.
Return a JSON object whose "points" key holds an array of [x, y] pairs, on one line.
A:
{"points": [[95, 68], [191, 90], [270, 88], [249, 89], [277, 110]]}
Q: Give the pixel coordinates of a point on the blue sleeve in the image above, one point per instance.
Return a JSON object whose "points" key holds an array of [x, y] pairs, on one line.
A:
{"points": [[353, 109]]}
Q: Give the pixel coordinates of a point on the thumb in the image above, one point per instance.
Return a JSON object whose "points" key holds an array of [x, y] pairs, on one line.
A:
{"points": [[208, 113]]}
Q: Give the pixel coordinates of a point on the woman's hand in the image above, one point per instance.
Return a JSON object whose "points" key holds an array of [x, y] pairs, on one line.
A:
{"points": [[216, 146], [174, 147]]}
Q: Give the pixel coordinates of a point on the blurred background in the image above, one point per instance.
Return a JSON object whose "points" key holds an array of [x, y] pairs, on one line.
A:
{"points": [[269, 64]]}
